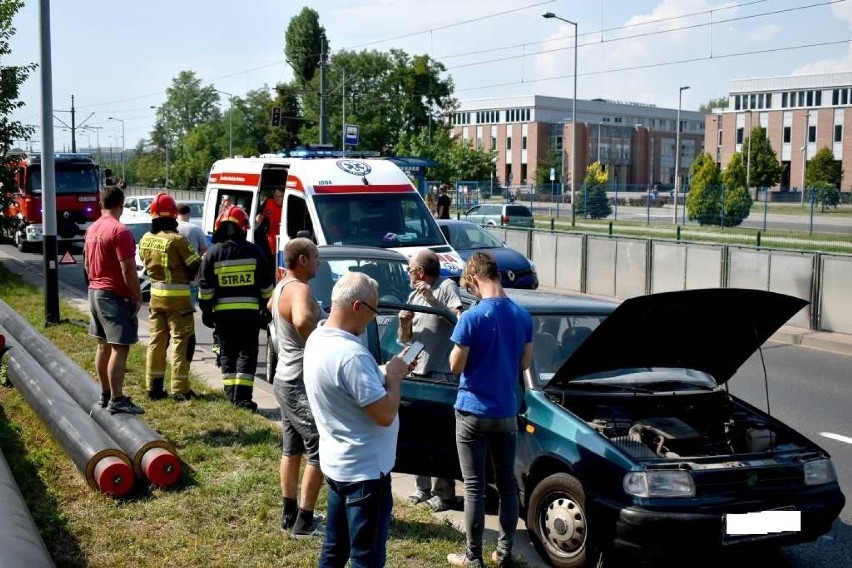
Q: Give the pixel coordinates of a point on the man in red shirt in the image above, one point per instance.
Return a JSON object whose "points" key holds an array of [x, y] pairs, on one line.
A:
{"points": [[270, 218], [114, 299]]}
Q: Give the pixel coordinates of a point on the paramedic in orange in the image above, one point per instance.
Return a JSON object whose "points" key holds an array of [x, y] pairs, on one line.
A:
{"points": [[269, 218]]}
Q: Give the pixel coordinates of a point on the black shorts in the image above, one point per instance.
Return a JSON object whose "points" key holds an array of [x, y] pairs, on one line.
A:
{"points": [[113, 318], [299, 430]]}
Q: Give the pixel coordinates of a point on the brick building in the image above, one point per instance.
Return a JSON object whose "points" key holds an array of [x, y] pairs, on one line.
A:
{"points": [[801, 115], [634, 141]]}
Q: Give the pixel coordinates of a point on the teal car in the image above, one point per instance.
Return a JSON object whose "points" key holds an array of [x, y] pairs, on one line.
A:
{"points": [[633, 445]]}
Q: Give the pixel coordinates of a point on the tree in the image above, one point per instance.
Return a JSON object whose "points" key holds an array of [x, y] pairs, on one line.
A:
{"points": [[719, 102], [457, 161], [11, 78], [704, 200], [592, 200], [187, 105], [552, 159], [738, 200], [303, 43], [824, 168], [826, 194], [196, 153], [764, 168]]}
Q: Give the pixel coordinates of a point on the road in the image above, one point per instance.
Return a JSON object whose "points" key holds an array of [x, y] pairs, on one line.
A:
{"points": [[808, 390]]}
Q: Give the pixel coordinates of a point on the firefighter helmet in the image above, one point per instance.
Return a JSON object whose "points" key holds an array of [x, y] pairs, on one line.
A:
{"points": [[163, 206], [235, 215]]}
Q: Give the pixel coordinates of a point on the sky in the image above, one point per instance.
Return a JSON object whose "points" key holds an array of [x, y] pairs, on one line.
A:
{"points": [[118, 58]]}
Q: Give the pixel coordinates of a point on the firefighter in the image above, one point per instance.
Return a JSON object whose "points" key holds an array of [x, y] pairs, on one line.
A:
{"points": [[235, 286], [172, 263]]}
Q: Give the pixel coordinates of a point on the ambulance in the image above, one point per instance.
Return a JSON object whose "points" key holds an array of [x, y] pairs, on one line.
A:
{"points": [[333, 201]]}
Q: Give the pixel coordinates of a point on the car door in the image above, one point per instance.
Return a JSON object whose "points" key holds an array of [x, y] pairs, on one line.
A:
{"points": [[474, 214], [426, 444]]}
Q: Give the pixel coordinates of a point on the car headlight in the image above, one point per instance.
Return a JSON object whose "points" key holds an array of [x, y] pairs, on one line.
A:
{"points": [[819, 471], [659, 483], [33, 231]]}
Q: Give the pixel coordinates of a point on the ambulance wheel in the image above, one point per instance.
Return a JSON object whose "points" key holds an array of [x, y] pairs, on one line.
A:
{"points": [[271, 360]]}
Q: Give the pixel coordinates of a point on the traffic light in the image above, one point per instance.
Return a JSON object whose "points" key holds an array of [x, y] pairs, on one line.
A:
{"points": [[276, 116]]}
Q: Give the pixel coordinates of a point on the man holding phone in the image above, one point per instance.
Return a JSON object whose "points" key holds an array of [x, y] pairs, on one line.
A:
{"points": [[434, 332]]}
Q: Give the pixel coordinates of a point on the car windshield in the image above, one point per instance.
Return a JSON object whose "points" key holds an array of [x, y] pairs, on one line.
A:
{"points": [[139, 230], [471, 237], [196, 209], [380, 220], [390, 274], [556, 337], [69, 179], [518, 211]]}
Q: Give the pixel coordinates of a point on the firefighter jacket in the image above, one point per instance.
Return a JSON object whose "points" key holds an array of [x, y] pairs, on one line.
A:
{"points": [[235, 283], [171, 263]]}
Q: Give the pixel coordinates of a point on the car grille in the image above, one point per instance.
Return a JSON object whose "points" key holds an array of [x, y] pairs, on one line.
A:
{"points": [[744, 478]]}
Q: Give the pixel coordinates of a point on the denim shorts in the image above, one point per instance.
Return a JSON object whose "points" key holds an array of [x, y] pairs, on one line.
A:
{"points": [[113, 318], [299, 429]]}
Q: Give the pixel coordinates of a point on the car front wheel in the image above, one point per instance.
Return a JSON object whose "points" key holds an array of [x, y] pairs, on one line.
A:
{"points": [[557, 518]]}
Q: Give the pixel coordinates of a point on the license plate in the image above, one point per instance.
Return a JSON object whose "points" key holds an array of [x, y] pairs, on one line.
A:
{"points": [[739, 527]]}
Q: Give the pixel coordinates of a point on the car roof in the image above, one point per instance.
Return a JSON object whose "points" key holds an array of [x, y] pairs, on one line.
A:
{"points": [[544, 302], [351, 251]]}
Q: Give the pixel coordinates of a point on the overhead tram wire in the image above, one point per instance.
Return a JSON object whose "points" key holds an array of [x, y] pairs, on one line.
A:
{"points": [[661, 64]]}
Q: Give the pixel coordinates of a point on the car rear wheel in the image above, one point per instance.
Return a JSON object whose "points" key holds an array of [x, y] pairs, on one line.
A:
{"points": [[271, 357], [557, 518]]}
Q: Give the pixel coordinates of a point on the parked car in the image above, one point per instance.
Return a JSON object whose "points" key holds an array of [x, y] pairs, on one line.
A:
{"points": [[496, 214], [516, 270], [136, 208], [631, 444]]}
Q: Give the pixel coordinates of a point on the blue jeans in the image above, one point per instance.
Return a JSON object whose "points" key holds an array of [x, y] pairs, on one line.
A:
{"points": [[474, 436], [357, 523]]}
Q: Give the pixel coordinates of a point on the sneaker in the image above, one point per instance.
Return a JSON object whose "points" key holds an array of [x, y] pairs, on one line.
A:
{"points": [[184, 396], [124, 405], [461, 559], [104, 400], [417, 497], [436, 504], [501, 559], [315, 530]]}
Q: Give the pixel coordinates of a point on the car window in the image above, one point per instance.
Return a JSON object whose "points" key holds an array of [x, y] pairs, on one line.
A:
{"points": [[144, 203], [518, 211], [196, 209], [391, 276], [479, 238], [556, 337], [130, 203]]}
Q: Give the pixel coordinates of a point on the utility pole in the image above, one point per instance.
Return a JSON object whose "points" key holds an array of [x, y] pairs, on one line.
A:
{"points": [[343, 119], [323, 134], [73, 127]]}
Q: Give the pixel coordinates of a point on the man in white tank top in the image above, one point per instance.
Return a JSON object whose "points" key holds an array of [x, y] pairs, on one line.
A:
{"points": [[295, 313]]}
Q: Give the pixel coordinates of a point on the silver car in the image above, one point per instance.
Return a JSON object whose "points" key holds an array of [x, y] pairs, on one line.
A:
{"points": [[497, 214]]}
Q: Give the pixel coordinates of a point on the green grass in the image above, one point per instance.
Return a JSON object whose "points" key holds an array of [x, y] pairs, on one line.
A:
{"points": [[226, 510]]}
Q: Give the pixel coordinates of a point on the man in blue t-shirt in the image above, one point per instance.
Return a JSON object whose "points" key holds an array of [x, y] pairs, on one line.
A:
{"points": [[493, 344]]}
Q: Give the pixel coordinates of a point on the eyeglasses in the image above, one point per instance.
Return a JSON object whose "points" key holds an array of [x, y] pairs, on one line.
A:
{"points": [[411, 269], [371, 308]]}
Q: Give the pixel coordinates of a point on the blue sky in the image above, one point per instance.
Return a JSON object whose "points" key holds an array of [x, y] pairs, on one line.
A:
{"points": [[118, 58]]}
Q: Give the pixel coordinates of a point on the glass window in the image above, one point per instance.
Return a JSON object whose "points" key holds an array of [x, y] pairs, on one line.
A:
{"points": [[518, 211], [838, 133], [380, 220], [752, 102], [835, 97], [740, 135], [787, 134], [818, 98], [736, 102], [509, 143], [523, 143], [69, 179], [810, 98], [556, 337], [783, 100], [811, 134], [471, 237], [844, 96]]}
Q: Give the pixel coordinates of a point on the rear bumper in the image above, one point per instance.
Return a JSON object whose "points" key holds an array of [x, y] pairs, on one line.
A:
{"points": [[651, 534]]}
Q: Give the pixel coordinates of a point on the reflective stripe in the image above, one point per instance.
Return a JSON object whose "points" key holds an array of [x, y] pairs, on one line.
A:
{"points": [[161, 293], [229, 306], [205, 295], [192, 259], [266, 293], [222, 264], [238, 382]]}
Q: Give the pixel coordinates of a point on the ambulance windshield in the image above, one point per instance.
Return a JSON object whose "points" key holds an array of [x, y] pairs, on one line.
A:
{"points": [[389, 220]]}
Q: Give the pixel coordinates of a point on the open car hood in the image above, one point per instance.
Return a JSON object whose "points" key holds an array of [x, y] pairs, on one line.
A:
{"points": [[711, 330]]}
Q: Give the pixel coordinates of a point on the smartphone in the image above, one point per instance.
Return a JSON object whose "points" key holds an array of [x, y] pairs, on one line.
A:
{"points": [[412, 353]]}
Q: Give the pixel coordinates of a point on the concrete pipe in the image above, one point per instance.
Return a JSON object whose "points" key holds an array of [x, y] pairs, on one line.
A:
{"points": [[20, 542], [104, 465], [153, 458]]}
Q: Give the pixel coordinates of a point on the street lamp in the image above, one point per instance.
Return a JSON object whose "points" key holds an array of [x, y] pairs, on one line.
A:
{"points": [[230, 122], [550, 15], [805, 154], [677, 150], [122, 146]]}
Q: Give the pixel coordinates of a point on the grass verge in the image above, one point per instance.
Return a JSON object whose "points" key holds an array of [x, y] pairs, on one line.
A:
{"points": [[226, 510]]}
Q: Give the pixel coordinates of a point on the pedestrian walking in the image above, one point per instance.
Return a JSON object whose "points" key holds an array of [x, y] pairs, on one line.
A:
{"points": [[355, 404], [114, 299], [172, 264], [295, 314], [493, 344], [429, 289], [234, 289]]}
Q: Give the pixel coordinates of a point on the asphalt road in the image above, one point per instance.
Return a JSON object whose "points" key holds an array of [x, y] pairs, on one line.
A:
{"points": [[808, 390]]}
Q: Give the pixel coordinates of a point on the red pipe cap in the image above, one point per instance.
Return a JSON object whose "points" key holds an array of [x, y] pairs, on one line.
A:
{"points": [[113, 476], [161, 467]]}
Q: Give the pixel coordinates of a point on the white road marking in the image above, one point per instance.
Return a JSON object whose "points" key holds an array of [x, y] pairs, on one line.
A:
{"points": [[837, 437]]}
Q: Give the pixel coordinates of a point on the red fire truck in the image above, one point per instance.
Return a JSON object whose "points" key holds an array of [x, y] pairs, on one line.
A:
{"points": [[77, 199]]}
